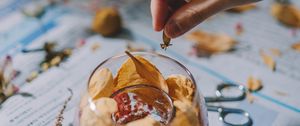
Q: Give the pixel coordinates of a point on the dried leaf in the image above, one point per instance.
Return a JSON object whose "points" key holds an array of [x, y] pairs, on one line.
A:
{"points": [[275, 52], [185, 114], [101, 116], [209, 43], [268, 60], [107, 22], [101, 84], [147, 121], [287, 14], [180, 85], [254, 84], [138, 70], [243, 8], [296, 46]]}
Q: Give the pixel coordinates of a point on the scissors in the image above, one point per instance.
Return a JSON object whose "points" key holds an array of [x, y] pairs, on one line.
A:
{"points": [[224, 111]]}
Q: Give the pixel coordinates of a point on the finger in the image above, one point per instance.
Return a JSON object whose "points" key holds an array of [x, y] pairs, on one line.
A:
{"points": [[160, 13], [190, 15]]}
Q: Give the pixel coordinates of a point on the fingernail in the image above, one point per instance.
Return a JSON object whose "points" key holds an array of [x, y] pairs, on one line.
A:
{"points": [[172, 29]]}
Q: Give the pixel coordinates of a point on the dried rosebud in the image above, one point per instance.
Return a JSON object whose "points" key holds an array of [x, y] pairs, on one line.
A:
{"points": [[107, 22]]}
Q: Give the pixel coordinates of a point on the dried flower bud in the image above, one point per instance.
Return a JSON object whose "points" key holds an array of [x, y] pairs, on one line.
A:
{"points": [[107, 22]]}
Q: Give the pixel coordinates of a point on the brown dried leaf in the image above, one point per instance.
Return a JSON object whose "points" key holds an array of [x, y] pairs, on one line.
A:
{"points": [[296, 46], [101, 116], [210, 43], [287, 14], [268, 60], [243, 8], [147, 121], [138, 70], [180, 85], [185, 114], [254, 84], [101, 84]]}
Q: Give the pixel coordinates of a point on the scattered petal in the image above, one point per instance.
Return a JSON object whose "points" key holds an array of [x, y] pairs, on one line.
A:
{"points": [[287, 14], [209, 43], [296, 46], [254, 84], [268, 60]]}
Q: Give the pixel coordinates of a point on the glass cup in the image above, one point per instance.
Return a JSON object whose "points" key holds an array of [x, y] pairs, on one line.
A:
{"points": [[138, 101]]}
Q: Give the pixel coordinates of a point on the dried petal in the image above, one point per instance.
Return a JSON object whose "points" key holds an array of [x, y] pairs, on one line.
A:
{"points": [[180, 85], [243, 8], [287, 14], [268, 60], [254, 84], [147, 121], [101, 84], [138, 70], [209, 43], [296, 46]]}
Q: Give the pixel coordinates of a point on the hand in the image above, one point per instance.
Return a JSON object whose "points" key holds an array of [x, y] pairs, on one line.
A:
{"points": [[178, 16]]}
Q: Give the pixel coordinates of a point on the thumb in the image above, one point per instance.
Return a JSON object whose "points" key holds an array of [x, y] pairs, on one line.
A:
{"points": [[190, 15]]}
